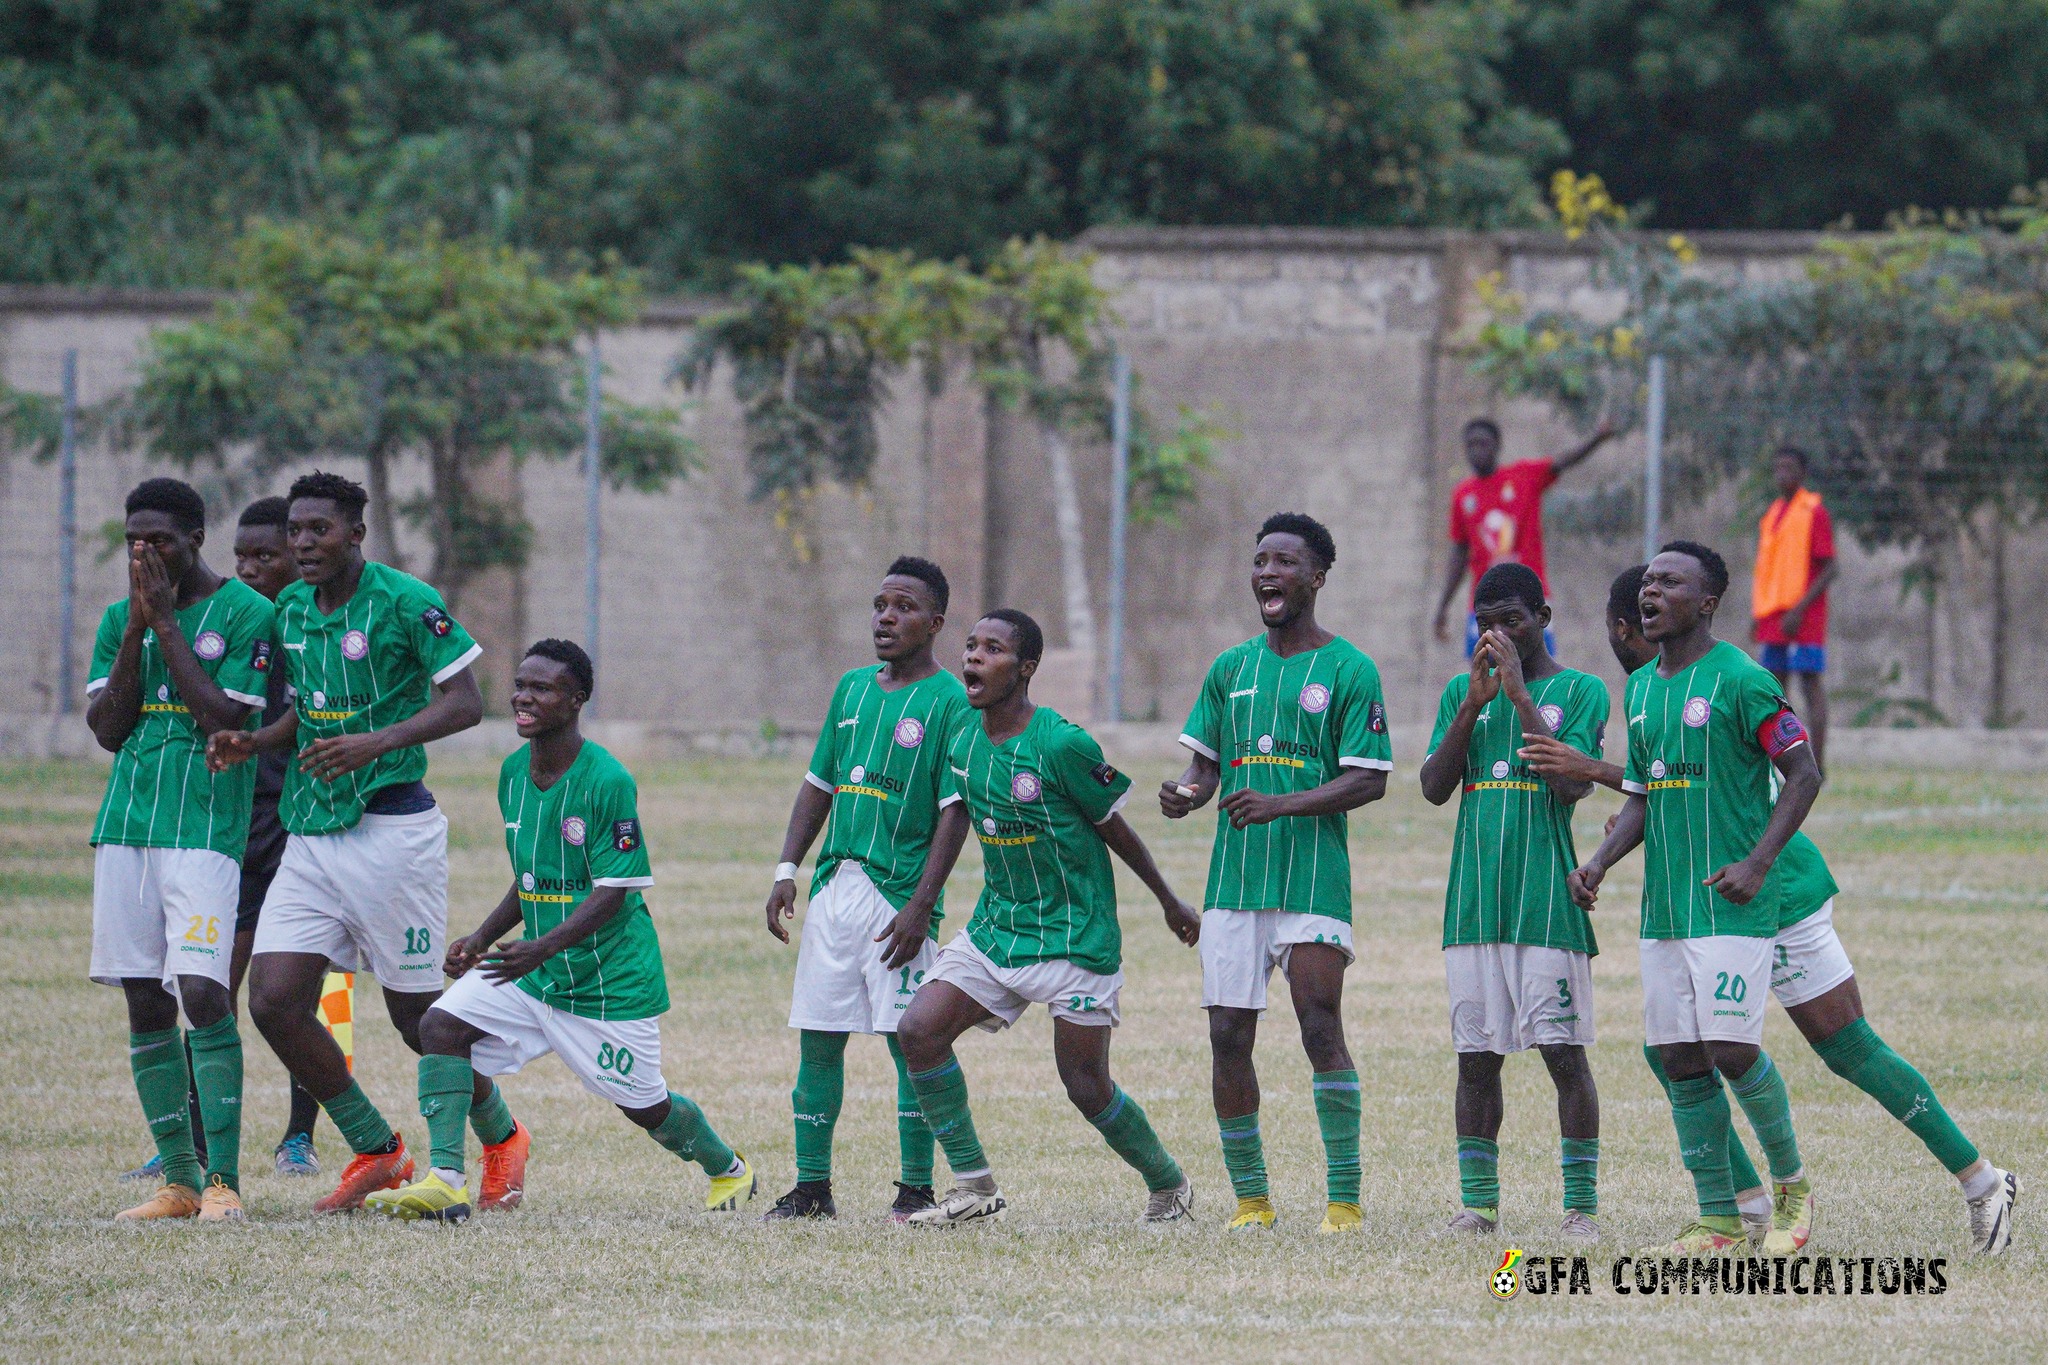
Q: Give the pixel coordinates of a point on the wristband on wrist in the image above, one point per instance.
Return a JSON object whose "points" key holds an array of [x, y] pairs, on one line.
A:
{"points": [[785, 872]]}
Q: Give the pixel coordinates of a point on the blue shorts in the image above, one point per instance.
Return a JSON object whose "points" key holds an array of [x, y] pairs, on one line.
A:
{"points": [[1472, 637], [1795, 658]]}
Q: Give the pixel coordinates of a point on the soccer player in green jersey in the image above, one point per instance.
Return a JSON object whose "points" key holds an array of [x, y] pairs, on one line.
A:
{"points": [[1811, 977], [1292, 727], [1047, 809], [1706, 727], [1518, 951], [875, 787], [185, 655], [586, 981], [378, 668]]}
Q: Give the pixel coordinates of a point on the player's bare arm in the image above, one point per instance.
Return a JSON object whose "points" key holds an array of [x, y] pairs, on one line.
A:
{"points": [[1550, 757], [1740, 882], [907, 932], [464, 953], [1123, 841], [1568, 787], [457, 704], [1178, 799], [1454, 574], [806, 821], [212, 708], [226, 748], [1623, 834], [114, 710], [1442, 770], [1350, 789], [511, 960]]}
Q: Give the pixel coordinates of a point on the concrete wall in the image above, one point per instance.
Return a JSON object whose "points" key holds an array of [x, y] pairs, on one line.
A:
{"points": [[1328, 351]]}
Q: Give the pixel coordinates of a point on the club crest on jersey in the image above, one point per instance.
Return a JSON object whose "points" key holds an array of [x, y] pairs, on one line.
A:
{"points": [[1025, 787], [1500, 767], [259, 656], [625, 835], [857, 775], [210, 645], [526, 881], [355, 645], [1315, 698], [1698, 711], [909, 733], [437, 621], [573, 831], [1657, 769], [1553, 715]]}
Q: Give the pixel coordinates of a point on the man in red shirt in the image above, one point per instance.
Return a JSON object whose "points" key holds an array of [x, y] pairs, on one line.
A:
{"points": [[1795, 562], [1497, 514]]}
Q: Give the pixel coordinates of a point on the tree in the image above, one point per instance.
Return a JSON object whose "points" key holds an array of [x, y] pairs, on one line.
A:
{"points": [[452, 352]]}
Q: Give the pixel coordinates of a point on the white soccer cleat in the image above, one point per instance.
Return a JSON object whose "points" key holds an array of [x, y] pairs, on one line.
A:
{"points": [[1169, 1206], [1991, 1216], [1579, 1228], [962, 1205]]}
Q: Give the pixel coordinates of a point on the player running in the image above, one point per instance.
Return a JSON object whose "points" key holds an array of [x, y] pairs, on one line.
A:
{"points": [[891, 841], [1046, 807], [585, 983], [1811, 977], [1706, 726], [185, 655], [1293, 727], [1518, 951], [378, 668]]}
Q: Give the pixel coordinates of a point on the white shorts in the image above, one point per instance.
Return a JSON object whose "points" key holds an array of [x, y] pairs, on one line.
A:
{"points": [[373, 898], [162, 913], [618, 1060], [1700, 988], [1240, 949], [1807, 960], [1070, 992], [1507, 997], [841, 984]]}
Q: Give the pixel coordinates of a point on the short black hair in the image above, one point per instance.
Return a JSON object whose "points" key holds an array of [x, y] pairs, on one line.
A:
{"points": [[1624, 597], [1710, 560], [1503, 581], [1794, 451], [175, 498], [346, 494], [930, 574], [1482, 424], [1030, 639], [1313, 534], [267, 512], [570, 655]]}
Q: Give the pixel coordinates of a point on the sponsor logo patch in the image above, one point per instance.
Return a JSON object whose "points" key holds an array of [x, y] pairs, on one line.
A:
{"points": [[859, 774], [573, 830], [1025, 787], [210, 645], [526, 881], [1315, 698], [909, 733], [1500, 767], [988, 825], [437, 621], [625, 835], [1104, 774], [319, 699], [355, 645], [1376, 718], [1265, 744], [1698, 712], [1657, 767], [259, 656], [1553, 715]]}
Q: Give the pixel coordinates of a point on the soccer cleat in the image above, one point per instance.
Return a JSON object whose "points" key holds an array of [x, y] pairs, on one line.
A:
{"points": [[1579, 1227], [909, 1199], [1700, 1240], [728, 1192], [962, 1205], [503, 1183], [1253, 1215], [220, 1204], [1340, 1217], [1169, 1206], [809, 1199], [172, 1201], [1991, 1216], [295, 1155], [1756, 1227], [1791, 1219], [432, 1200], [1469, 1223], [366, 1172], [151, 1170]]}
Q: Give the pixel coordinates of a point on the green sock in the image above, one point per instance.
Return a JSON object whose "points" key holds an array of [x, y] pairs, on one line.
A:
{"points": [[162, 1083], [1699, 1110], [1129, 1134], [1864, 1060], [814, 1104], [942, 1095], [1763, 1098], [217, 1071], [1741, 1171], [1337, 1110], [1479, 1174], [913, 1134], [358, 1122], [446, 1088], [1244, 1156], [491, 1118], [689, 1135], [1580, 1159]]}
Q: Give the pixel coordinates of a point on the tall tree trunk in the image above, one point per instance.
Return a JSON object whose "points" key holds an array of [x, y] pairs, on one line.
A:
{"points": [[383, 522], [1066, 497], [448, 492]]}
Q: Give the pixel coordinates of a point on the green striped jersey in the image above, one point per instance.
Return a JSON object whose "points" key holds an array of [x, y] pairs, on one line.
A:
{"points": [[159, 794], [1287, 725], [882, 756], [368, 666], [1048, 893], [1697, 752], [1513, 846], [584, 832]]}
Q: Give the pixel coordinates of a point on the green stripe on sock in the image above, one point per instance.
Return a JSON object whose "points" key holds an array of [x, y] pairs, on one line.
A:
{"points": [[217, 1073], [1244, 1155], [491, 1118], [446, 1088], [358, 1122], [162, 1083], [914, 1142], [815, 1102], [1128, 1132], [1479, 1173], [942, 1095], [1699, 1111], [1863, 1059], [1579, 1159], [1337, 1114], [1761, 1093], [690, 1136]]}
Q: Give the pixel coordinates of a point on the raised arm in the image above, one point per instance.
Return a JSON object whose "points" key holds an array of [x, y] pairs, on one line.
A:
{"points": [[1578, 453], [116, 706]]}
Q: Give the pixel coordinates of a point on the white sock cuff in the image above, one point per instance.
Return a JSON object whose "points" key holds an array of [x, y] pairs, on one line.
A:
{"points": [[1982, 1183]]}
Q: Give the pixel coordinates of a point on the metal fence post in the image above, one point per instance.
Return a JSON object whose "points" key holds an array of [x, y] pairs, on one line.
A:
{"points": [[1653, 471], [67, 541], [1119, 521], [593, 428]]}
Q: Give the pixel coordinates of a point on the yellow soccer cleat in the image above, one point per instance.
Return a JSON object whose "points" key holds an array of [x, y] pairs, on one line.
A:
{"points": [[432, 1200], [1703, 1239], [220, 1204], [1791, 1219], [728, 1192], [1254, 1214], [1342, 1218], [172, 1201]]}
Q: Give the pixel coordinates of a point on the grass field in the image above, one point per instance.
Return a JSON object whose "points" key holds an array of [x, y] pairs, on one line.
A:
{"points": [[1943, 911]]}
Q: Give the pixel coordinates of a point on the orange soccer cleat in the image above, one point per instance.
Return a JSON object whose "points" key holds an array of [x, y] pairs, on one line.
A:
{"points": [[374, 1171], [504, 1179]]}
